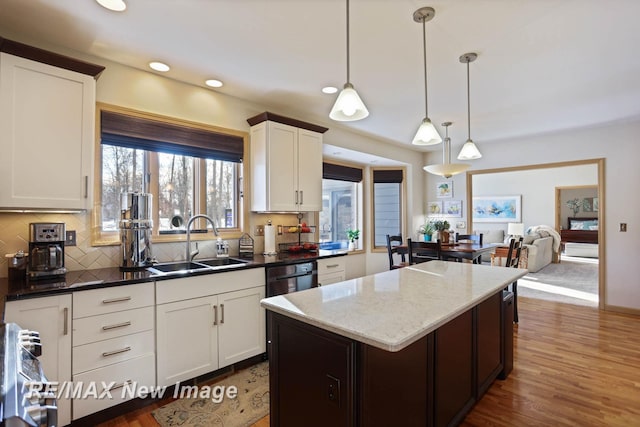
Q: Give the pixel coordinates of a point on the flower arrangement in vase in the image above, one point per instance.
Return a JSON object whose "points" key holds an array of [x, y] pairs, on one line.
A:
{"points": [[441, 226]]}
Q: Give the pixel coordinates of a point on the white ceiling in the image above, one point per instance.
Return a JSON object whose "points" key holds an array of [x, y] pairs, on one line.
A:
{"points": [[543, 65]]}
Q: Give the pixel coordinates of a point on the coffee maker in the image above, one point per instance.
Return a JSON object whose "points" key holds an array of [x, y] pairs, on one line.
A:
{"points": [[46, 250]]}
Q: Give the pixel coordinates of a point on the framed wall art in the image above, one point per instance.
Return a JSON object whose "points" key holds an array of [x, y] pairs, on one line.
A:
{"points": [[444, 190], [434, 208], [497, 208], [452, 208]]}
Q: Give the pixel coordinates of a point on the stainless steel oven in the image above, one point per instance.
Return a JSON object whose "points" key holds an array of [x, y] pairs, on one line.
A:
{"points": [[27, 398]]}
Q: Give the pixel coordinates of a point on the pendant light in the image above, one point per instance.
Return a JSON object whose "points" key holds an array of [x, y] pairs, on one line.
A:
{"points": [[469, 150], [447, 169], [348, 107], [427, 133]]}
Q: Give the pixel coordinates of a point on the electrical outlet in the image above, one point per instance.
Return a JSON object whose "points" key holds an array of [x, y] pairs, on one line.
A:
{"points": [[333, 389], [623, 227], [260, 230], [70, 239]]}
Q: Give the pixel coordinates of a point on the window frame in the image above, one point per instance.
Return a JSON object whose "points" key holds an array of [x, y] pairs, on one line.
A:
{"points": [[402, 211], [112, 238], [360, 192]]}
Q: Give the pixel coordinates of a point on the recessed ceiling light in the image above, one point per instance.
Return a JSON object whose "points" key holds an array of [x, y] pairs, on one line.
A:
{"points": [[115, 5], [213, 83], [159, 66], [329, 89]]}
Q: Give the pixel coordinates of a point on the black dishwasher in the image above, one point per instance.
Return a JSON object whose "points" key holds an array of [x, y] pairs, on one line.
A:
{"points": [[284, 279]]}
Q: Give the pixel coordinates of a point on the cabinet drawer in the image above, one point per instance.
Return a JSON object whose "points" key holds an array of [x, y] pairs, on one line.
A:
{"points": [[109, 300], [327, 279], [112, 325], [139, 372], [107, 352], [331, 265]]}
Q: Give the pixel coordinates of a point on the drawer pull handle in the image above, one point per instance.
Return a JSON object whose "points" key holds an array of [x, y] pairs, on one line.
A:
{"points": [[65, 329], [117, 325], [333, 265], [117, 386], [111, 353], [112, 300]]}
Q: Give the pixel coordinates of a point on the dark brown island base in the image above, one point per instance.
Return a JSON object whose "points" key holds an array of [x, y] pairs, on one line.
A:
{"points": [[413, 347]]}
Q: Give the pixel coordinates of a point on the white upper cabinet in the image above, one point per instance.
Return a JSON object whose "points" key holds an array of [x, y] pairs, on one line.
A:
{"points": [[286, 160], [47, 131]]}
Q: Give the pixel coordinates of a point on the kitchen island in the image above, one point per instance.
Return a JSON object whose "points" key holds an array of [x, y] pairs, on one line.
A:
{"points": [[413, 346]]}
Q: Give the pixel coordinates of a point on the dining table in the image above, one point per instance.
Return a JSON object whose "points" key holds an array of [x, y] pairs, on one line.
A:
{"points": [[466, 250], [459, 251]]}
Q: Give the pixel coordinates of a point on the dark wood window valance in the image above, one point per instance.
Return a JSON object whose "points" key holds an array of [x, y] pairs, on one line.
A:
{"points": [[153, 135], [387, 176], [341, 173]]}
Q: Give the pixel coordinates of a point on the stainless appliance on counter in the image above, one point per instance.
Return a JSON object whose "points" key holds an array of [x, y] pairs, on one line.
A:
{"points": [[46, 250], [136, 226], [26, 397]]}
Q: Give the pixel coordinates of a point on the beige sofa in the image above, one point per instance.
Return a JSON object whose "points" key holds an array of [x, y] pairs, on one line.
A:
{"points": [[540, 249]]}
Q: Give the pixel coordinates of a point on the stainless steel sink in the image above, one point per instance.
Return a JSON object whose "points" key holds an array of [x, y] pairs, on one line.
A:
{"points": [[221, 262], [185, 267]]}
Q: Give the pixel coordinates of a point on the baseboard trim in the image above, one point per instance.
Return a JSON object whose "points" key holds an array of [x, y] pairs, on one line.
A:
{"points": [[623, 310]]}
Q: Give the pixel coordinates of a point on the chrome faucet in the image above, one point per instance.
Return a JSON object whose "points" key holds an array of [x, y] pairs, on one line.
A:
{"points": [[190, 255]]}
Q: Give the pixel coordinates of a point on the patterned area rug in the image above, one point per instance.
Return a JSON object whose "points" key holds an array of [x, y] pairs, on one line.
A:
{"points": [[250, 405]]}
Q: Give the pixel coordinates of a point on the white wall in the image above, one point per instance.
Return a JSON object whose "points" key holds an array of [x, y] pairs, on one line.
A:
{"points": [[537, 188], [619, 145]]}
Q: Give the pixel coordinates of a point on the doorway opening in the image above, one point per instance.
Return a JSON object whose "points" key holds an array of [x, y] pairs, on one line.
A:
{"points": [[586, 274]]}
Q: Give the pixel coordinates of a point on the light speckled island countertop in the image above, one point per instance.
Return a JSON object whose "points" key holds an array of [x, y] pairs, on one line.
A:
{"points": [[393, 309]]}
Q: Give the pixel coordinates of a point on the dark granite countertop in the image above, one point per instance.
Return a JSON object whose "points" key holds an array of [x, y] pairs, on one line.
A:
{"points": [[105, 277]]}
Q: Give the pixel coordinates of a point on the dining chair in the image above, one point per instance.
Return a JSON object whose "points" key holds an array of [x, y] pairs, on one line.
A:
{"points": [[513, 261], [474, 238], [424, 251], [396, 249]]}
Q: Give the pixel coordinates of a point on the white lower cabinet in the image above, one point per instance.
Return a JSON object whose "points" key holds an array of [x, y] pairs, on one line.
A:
{"points": [[207, 332], [113, 346], [51, 316], [187, 339], [331, 270], [241, 333], [122, 379]]}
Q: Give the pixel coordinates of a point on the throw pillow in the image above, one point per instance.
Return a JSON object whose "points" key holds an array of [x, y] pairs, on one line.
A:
{"points": [[529, 239], [544, 233]]}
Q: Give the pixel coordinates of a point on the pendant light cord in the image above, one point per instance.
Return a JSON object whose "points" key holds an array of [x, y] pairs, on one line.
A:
{"points": [[424, 51], [348, 68], [468, 105]]}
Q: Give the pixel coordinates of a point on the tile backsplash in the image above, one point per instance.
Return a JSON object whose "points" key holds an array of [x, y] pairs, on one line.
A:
{"points": [[14, 236]]}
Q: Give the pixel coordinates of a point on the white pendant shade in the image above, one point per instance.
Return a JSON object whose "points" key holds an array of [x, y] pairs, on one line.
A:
{"points": [[469, 151], [427, 134], [447, 170], [348, 107]]}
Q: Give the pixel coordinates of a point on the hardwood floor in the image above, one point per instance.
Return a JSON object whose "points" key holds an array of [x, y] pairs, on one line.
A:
{"points": [[573, 366]]}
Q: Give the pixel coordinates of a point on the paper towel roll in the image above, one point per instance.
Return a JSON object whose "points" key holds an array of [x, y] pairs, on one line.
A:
{"points": [[269, 239]]}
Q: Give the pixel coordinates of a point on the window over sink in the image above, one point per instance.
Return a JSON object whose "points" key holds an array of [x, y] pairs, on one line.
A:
{"points": [[189, 168]]}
